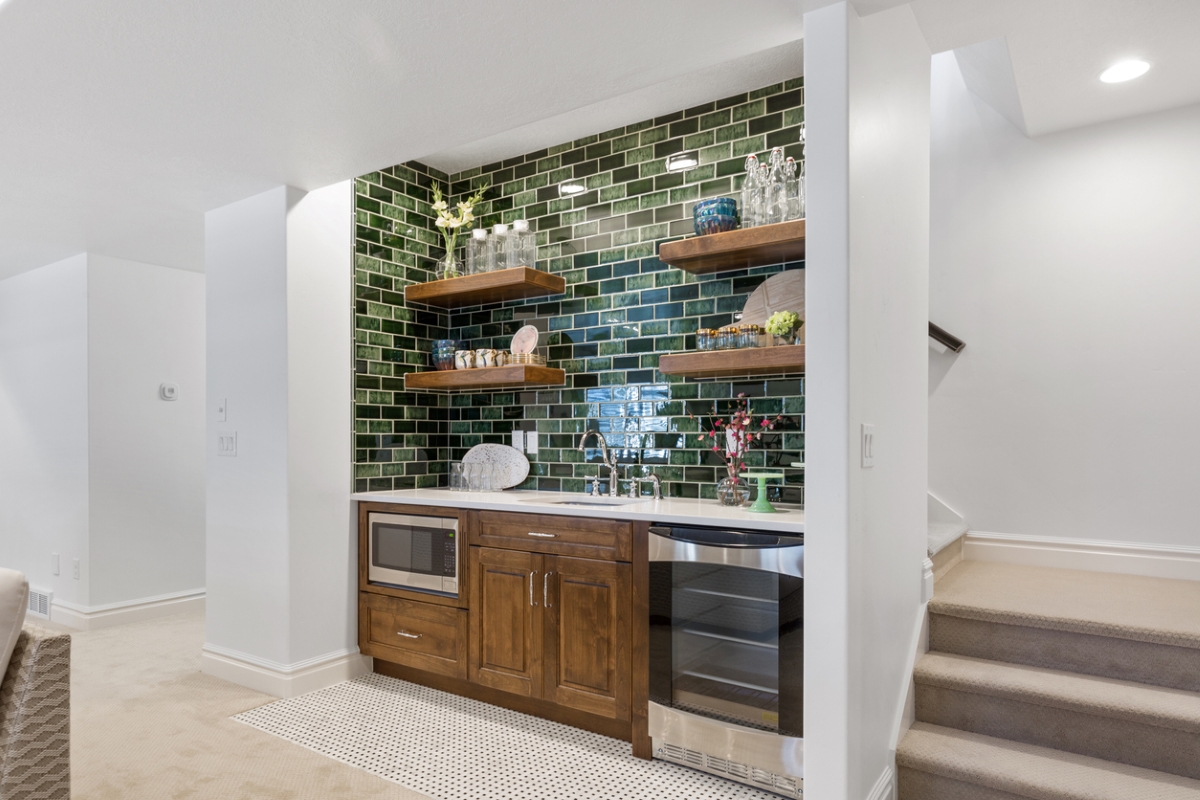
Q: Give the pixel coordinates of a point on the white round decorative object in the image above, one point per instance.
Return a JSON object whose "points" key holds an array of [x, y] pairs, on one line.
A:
{"points": [[511, 465], [525, 340]]}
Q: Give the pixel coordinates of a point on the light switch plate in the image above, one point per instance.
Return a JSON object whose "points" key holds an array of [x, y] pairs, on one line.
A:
{"points": [[531, 442], [227, 444], [518, 440], [868, 445]]}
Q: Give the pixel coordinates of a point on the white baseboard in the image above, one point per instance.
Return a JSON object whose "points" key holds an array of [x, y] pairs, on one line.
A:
{"points": [[90, 618], [283, 680], [885, 787], [1128, 558]]}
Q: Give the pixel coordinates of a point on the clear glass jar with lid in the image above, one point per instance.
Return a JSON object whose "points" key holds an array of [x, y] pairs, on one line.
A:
{"points": [[478, 252], [706, 339], [749, 335], [522, 245], [727, 338], [499, 246]]}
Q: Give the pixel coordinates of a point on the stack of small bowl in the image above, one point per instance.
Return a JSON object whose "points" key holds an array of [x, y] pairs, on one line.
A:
{"points": [[716, 215]]}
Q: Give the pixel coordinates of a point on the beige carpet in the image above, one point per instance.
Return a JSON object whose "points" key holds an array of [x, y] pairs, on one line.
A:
{"points": [[147, 725]]}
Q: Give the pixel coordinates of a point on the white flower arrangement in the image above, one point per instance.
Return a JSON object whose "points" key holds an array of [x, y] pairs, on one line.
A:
{"points": [[449, 222]]}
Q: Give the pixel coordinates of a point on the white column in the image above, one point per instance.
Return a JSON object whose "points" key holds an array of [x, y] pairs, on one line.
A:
{"points": [[867, 162], [280, 549]]}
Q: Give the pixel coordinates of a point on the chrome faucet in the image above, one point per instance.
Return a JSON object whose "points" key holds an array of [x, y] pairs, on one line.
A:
{"points": [[614, 490]]}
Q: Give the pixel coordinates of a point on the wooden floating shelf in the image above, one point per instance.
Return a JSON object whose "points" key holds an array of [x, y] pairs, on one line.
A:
{"points": [[750, 361], [740, 249], [516, 375], [485, 287]]}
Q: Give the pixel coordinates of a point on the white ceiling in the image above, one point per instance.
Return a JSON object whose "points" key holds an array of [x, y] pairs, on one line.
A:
{"points": [[1058, 48], [125, 120]]}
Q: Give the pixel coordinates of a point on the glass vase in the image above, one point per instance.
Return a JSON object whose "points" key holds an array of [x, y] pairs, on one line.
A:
{"points": [[448, 267], [787, 338], [732, 492]]}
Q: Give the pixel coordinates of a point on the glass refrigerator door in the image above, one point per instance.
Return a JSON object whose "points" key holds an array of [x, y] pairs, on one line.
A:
{"points": [[728, 643]]}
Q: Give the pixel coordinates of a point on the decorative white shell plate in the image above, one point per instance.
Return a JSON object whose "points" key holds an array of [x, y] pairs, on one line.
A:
{"points": [[511, 465], [525, 340]]}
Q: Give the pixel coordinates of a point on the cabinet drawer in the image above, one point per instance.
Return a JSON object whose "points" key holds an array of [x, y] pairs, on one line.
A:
{"points": [[420, 635], [546, 533]]}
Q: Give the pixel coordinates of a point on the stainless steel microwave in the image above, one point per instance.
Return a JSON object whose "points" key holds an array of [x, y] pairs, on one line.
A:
{"points": [[411, 552]]}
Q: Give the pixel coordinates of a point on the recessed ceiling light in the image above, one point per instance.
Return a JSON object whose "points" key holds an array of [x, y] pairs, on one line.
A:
{"points": [[1124, 71], [571, 187], [682, 161]]}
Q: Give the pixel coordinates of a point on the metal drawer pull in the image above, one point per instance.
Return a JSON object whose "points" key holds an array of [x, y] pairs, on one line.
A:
{"points": [[544, 535], [545, 590], [408, 635], [531, 574]]}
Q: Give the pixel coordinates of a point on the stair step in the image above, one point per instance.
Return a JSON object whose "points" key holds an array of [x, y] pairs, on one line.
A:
{"points": [[937, 763], [1127, 627], [1146, 726]]}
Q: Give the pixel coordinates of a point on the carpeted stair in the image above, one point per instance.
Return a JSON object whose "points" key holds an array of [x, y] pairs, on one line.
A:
{"points": [[1056, 685]]}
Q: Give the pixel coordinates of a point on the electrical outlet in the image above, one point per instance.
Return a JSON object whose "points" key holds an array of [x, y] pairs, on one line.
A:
{"points": [[868, 445], [75, 564], [227, 444], [54, 563], [222, 410]]}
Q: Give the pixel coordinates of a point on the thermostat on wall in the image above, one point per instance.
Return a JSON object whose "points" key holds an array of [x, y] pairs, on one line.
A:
{"points": [[168, 391]]}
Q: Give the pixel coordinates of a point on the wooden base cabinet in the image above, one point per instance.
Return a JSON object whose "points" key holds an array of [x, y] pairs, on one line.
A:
{"points": [[552, 627], [586, 633], [506, 628]]}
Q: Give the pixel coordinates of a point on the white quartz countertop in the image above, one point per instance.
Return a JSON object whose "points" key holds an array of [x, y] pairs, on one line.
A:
{"points": [[788, 520]]}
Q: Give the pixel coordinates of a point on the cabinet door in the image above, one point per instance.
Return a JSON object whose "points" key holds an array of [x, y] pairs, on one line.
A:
{"points": [[506, 623], [587, 620]]}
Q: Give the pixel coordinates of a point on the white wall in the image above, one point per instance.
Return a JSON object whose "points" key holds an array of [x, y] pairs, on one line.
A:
{"points": [[247, 538], [44, 424], [146, 476], [867, 106], [281, 556], [1070, 264], [324, 549]]}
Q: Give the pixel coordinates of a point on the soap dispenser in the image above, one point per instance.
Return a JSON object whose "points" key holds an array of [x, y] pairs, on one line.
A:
{"points": [[478, 248], [522, 245], [499, 246]]}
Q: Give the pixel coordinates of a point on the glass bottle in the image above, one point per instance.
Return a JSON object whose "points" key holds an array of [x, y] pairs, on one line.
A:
{"points": [[776, 189], [522, 245], [791, 188], [499, 258], [749, 186], [477, 252]]}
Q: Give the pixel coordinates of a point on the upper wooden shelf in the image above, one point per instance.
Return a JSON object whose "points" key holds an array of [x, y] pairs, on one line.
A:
{"points": [[740, 249], [514, 376], [749, 361], [485, 287]]}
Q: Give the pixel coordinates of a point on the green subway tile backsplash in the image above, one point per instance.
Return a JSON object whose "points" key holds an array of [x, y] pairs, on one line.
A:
{"points": [[622, 308]]}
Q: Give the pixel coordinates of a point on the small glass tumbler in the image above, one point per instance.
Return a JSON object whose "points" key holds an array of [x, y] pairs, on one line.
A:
{"points": [[457, 478]]}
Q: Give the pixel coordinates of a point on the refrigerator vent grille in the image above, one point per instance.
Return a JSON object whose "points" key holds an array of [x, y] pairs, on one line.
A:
{"points": [[781, 784]]}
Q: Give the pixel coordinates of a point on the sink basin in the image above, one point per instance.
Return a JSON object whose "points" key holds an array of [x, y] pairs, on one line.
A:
{"points": [[588, 500]]}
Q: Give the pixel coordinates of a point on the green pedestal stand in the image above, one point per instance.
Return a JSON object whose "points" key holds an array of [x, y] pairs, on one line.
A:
{"points": [[761, 504]]}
